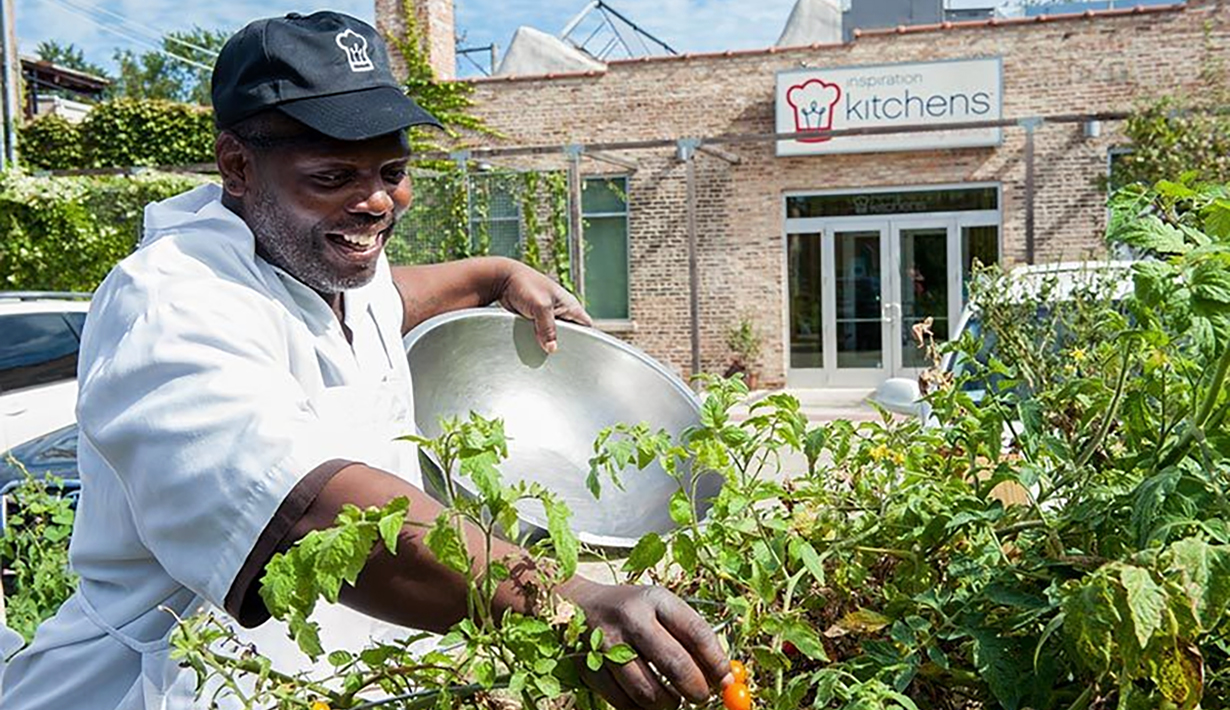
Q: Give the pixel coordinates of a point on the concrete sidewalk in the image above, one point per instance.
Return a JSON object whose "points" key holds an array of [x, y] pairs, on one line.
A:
{"points": [[820, 405]]}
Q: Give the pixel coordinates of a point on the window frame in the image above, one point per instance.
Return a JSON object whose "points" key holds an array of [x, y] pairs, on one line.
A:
{"points": [[626, 214]]}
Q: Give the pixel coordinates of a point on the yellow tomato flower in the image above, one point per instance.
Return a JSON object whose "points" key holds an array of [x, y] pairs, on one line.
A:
{"points": [[320, 705]]}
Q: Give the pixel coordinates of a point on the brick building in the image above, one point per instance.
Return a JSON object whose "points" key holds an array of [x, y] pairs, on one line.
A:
{"points": [[835, 252]]}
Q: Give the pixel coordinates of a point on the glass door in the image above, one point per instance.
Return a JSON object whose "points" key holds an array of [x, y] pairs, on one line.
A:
{"points": [[860, 333], [923, 288], [805, 257]]}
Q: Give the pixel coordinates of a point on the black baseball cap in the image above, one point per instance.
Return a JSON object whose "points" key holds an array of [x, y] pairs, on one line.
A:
{"points": [[327, 70]]}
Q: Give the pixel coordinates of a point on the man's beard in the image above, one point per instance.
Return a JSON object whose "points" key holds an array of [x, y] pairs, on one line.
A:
{"points": [[300, 253]]}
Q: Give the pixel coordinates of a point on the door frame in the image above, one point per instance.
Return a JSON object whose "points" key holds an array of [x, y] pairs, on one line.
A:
{"points": [[890, 227]]}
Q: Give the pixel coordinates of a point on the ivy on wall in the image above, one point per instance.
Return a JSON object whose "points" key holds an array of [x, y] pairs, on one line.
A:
{"points": [[1181, 135], [1175, 137], [452, 218]]}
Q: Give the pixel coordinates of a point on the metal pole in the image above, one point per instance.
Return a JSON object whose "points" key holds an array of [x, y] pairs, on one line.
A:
{"points": [[687, 153], [729, 139], [12, 70], [576, 242], [1030, 124], [462, 159]]}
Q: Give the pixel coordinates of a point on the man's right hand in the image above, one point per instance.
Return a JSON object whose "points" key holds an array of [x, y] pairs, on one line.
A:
{"points": [[666, 634]]}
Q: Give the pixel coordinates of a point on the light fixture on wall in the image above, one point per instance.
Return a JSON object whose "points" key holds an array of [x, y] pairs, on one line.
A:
{"points": [[1093, 128]]}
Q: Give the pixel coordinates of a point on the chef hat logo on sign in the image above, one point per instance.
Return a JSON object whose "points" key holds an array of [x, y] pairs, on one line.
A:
{"points": [[355, 46], [813, 103]]}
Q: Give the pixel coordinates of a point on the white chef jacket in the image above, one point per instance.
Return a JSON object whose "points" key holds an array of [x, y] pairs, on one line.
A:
{"points": [[211, 383]]}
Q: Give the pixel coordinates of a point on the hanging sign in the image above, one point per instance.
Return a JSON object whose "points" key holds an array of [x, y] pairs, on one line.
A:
{"points": [[925, 94]]}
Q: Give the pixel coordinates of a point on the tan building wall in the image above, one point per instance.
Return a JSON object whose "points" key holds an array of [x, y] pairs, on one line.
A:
{"points": [[434, 19], [1072, 65]]}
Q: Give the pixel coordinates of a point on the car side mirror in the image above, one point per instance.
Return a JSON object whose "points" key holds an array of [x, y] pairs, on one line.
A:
{"points": [[899, 395]]}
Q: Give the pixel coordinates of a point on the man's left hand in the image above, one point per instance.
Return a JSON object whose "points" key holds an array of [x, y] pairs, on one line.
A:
{"points": [[529, 293]]}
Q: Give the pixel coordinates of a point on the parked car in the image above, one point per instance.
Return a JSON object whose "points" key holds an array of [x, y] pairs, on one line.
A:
{"points": [[40, 336], [52, 456], [1061, 281]]}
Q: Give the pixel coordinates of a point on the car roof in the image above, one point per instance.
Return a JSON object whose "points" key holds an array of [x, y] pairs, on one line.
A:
{"points": [[1068, 276], [43, 302]]}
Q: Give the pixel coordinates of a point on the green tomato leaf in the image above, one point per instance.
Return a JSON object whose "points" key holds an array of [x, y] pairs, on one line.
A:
{"points": [[1150, 233], [1002, 664], [567, 549], [391, 522], [648, 552], [484, 673], [805, 638], [620, 654], [684, 551], [1210, 283], [446, 544], [1146, 602], [810, 559], [681, 508]]}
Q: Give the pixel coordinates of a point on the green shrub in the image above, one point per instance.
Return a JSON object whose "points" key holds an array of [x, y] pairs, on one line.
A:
{"points": [[65, 233], [49, 143], [121, 133], [127, 132]]}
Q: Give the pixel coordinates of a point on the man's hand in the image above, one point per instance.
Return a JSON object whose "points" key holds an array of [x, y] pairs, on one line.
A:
{"points": [[529, 293], [678, 656]]}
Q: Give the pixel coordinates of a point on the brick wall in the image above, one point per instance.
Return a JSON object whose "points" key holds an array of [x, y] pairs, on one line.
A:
{"points": [[1062, 66]]}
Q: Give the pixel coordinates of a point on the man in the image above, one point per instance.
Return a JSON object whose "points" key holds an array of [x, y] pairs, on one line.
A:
{"points": [[242, 377]]}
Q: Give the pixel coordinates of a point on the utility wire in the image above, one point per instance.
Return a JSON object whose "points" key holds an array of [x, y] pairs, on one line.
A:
{"points": [[138, 40], [150, 31]]}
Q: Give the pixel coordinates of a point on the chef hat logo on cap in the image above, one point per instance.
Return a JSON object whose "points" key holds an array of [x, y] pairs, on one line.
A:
{"points": [[326, 70]]}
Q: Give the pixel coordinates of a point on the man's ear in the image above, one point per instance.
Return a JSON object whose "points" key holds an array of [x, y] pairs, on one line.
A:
{"points": [[234, 164]]}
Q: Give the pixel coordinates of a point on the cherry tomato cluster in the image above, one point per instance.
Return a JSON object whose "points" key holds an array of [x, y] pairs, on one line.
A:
{"points": [[736, 696]]}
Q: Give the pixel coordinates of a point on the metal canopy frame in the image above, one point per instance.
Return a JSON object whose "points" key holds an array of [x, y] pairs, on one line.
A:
{"points": [[609, 31], [718, 147]]}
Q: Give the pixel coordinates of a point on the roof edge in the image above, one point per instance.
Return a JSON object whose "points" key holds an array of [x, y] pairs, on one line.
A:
{"points": [[994, 22]]}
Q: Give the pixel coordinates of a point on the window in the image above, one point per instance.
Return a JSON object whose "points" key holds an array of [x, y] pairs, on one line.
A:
{"points": [[1118, 168], [36, 349], [604, 207], [881, 203]]}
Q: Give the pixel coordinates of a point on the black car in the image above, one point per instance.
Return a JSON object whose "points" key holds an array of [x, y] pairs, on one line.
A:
{"points": [[50, 455]]}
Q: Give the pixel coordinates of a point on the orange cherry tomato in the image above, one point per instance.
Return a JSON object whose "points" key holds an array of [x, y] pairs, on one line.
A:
{"points": [[737, 697], [739, 671]]}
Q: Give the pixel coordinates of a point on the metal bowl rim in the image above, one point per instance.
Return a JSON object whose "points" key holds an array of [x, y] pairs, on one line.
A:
{"points": [[422, 329], [419, 331]]}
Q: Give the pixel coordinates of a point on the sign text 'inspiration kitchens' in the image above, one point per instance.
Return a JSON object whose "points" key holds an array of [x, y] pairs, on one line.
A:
{"points": [[927, 94]]}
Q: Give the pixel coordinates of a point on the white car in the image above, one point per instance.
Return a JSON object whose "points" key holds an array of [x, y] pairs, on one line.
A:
{"points": [[901, 395], [40, 335]]}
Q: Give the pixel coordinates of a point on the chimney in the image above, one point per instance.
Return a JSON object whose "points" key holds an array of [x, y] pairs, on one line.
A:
{"points": [[434, 19]]}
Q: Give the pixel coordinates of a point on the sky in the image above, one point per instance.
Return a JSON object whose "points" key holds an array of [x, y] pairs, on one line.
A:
{"points": [[687, 25]]}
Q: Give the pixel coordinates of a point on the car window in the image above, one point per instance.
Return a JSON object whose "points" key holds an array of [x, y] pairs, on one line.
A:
{"points": [[36, 349], [76, 321]]}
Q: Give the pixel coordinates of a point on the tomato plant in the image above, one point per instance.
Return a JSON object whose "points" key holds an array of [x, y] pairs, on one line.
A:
{"points": [[34, 552], [879, 565]]}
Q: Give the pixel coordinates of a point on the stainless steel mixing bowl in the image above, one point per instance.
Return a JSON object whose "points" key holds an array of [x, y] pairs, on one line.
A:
{"points": [[487, 361]]}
